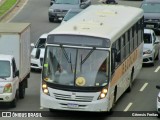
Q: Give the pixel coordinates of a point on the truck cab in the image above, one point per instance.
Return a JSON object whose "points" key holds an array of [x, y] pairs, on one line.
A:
{"points": [[9, 80]]}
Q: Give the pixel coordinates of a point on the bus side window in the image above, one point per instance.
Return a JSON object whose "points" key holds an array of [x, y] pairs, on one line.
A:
{"points": [[118, 52], [112, 61]]}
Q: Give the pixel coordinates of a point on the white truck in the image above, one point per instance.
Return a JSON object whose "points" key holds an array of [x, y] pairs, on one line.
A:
{"points": [[14, 61]]}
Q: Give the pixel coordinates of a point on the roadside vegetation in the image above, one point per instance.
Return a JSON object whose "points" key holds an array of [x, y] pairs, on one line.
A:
{"points": [[6, 5]]}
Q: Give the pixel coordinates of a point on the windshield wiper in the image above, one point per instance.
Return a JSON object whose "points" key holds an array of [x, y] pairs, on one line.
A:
{"points": [[66, 56], [87, 56]]}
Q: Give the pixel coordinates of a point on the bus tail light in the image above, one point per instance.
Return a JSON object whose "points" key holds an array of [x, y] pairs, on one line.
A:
{"points": [[45, 89], [103, 93]]}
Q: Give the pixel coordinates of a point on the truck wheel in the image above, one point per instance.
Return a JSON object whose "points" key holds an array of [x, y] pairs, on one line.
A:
{"points": [[13, 104], [21, 91]]}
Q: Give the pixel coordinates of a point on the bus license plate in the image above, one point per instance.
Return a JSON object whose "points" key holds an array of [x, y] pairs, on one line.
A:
{"points": [[72, 105]]}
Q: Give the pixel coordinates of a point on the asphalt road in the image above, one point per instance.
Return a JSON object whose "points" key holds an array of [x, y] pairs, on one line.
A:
{"points": [[36, 13]]}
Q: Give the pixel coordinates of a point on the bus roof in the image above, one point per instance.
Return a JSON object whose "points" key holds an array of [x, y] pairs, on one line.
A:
{"points": [[105, 21]]}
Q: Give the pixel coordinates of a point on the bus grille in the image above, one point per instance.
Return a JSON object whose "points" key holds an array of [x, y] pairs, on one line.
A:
{"points": [[75, 98]]}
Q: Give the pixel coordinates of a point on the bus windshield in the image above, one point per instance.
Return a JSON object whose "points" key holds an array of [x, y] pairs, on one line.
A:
{"points": [[76, 66]]}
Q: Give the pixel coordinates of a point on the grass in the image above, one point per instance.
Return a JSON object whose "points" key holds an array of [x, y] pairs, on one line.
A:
{"points": [[6, 6]]}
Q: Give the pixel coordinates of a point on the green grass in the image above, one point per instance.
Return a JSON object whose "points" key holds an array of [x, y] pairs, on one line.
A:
{"points": [[6, 6]]}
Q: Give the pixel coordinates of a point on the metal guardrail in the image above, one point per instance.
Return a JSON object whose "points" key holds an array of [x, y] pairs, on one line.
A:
{"points": [[5, 14]]}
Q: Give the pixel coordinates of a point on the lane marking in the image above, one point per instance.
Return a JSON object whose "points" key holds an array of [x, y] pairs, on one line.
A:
{"points": [[128, 106], [41, 108], [143, 87], [157, 69]]}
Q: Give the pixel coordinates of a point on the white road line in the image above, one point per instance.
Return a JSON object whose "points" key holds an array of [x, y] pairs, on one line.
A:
{"points": [[41, 108], [157, 69], [128, 106], [143, 87]]}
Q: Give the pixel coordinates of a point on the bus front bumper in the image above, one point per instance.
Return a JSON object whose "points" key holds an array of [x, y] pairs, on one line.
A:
{"points": [[52, 103]]}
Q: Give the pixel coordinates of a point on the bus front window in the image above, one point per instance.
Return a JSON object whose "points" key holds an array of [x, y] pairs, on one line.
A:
{"points": [[76, 67]]}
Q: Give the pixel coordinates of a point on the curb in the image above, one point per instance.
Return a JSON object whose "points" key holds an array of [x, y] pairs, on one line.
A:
{"points": [[5, 14]]}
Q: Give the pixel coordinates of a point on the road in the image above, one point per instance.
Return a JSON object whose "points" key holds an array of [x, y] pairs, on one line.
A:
{"points": [[141, 98]]}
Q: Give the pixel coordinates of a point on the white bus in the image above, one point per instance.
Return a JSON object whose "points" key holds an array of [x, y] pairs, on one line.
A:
{"points": [[91, 60]]}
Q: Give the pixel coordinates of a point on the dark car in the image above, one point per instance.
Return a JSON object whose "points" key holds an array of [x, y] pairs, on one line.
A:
{"points": [[59, 8], [151, 14]]}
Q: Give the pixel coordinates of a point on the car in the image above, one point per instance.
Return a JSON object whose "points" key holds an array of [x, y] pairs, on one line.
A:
{"points": [[158, 101], [37, 53], [59, 8], [71, 13], [151, 46], [151, 10]]}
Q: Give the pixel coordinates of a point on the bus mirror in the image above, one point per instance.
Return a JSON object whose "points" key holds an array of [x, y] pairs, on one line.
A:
{"points": [[37, 53]]}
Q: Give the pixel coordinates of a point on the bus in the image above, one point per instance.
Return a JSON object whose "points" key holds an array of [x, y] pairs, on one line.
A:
{"points": [[91, 60]]}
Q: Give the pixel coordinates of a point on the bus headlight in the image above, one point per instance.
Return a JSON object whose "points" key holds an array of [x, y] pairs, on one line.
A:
{"points": [[7, 88], [103, 93], [45, 89]]}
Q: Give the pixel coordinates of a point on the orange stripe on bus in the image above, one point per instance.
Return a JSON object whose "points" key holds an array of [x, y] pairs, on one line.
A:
{"points": [[124, 67]]}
